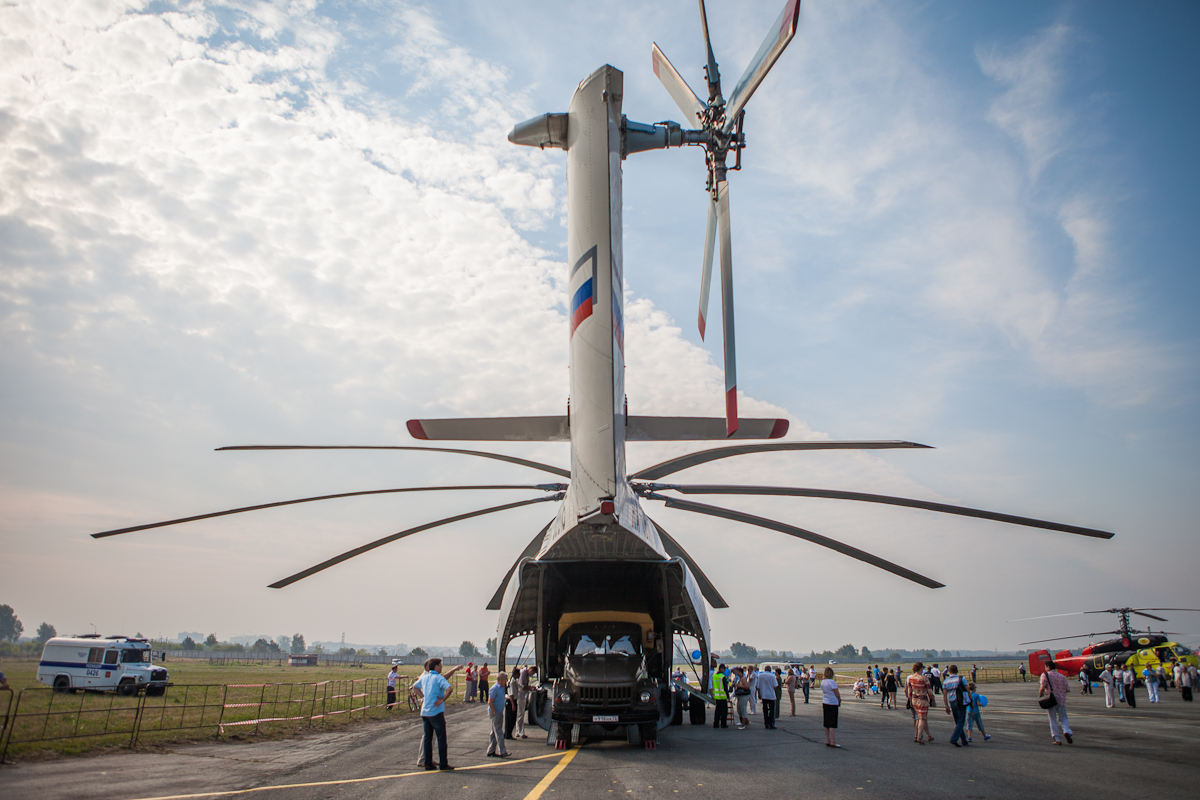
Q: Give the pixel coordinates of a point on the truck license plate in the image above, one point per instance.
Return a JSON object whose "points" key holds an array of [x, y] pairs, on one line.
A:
{"points": [[604, 718]]}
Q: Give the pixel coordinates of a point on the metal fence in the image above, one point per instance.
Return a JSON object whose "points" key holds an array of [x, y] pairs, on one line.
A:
{"points": [[252, 657], [40, 714]]}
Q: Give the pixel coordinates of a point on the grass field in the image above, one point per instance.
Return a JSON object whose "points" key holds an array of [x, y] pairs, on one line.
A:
{"points": [[237, 701], [205, 700]]}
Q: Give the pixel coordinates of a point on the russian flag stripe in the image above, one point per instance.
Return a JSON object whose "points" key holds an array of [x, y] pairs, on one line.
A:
{"points": [[581, 304]]}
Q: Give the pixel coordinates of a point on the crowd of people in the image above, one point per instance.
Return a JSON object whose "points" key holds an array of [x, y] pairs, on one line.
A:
{"points": [[750, 687]]}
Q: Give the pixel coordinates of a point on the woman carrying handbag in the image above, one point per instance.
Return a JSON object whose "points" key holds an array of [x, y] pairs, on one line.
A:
{"points": [[1052, 696]]}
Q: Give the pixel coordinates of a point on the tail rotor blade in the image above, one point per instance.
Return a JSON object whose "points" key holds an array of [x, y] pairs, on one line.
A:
{"points": [[731, 412], [772, 48], [710, 241], [677, 87], [714, 76]]}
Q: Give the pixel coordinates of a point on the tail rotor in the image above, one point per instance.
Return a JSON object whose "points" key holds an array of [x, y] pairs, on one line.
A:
{"points": [[721, 133]]}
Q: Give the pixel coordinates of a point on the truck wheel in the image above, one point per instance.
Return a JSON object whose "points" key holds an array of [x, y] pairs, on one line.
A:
{"points": [[127, 688], [696, 711], [633, 735], [155, 691], [649, 732], [678, 698], [62, 684]]}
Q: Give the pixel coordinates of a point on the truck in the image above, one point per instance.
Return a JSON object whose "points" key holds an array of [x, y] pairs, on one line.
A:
{"points": [[118, 664]]}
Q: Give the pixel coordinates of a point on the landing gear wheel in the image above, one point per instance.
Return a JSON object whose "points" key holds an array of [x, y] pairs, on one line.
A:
{"points": [[696, 710], [678, 698], [62, 684]]}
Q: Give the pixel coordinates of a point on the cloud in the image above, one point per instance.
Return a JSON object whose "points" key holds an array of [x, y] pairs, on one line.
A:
{"points": [[227, 223], [904, 193]]}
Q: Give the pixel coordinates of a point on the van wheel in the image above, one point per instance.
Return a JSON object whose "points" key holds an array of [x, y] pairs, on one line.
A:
{"points": [[62, 684], [127, 688]]}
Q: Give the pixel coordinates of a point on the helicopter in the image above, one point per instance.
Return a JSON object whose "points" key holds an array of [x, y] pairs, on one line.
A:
{"points": [[1132, 649], [608, 597]]}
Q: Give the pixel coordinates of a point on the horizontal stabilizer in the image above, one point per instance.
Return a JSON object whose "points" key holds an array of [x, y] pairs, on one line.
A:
{"points": [[688, 429], [492, 429], [557, 429]]}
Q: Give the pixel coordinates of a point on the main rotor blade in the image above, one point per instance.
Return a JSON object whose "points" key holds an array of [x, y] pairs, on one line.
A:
{"points": [[349, 554], [677, 87], [498, 456], [830, 494], [800, 533], [1151, 616], [1078, 636], [675, 550], [710, 241], [714, 75], [731, 413], [545, 487], [680, 463], [1048, 616], [770, 51], [1164, 609], [530, 551]]}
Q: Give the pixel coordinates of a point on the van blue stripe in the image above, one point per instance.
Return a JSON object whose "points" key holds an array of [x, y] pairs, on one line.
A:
{"points": [[73, 665]]}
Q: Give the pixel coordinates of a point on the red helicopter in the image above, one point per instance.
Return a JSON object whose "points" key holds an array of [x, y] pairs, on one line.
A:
{"points": [[1131, 648]]}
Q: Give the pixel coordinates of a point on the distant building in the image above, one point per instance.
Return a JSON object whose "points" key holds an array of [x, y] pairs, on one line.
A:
{"points": [[303, 660]]}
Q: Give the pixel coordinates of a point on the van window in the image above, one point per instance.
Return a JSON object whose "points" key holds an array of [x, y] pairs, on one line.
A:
{"points": [[111, 657], [96, 655], [135, 656]]}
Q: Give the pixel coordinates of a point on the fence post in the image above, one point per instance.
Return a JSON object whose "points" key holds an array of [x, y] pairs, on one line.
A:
{"points": [[258, 717], [137, 720], [221, 716], [15, 712]]}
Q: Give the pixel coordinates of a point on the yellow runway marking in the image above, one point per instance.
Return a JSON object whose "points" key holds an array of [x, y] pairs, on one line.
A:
{"points": [[545, 782], [347, 781]]}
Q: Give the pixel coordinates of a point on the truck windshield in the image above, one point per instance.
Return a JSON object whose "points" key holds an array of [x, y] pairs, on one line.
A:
{"points": [[135, 656], [601, 644]]}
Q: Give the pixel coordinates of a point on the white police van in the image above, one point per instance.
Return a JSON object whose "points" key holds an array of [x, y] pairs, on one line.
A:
{"points": [[118, 663]]}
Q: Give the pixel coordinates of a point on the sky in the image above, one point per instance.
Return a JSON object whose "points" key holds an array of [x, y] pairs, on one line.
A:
{"points": [[966, 225]]}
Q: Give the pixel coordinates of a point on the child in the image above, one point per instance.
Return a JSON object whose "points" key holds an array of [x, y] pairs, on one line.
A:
{"points": [[973, 713]]}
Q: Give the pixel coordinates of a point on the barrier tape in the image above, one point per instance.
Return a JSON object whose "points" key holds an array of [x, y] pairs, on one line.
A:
{"points": [[225, 725]]}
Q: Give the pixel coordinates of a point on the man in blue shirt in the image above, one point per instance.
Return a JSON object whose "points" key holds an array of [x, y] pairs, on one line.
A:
{"points": [[433, 689], [954, 690], [495, 703]]}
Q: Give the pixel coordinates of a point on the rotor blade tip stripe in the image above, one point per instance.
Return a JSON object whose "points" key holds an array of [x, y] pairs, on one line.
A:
{"points": [[415, 429], [731, 412], [780, 430], [700, 324]]}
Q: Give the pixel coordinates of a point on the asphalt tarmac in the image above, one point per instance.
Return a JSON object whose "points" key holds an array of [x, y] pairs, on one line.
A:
{"points": [[1117, 753]]}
